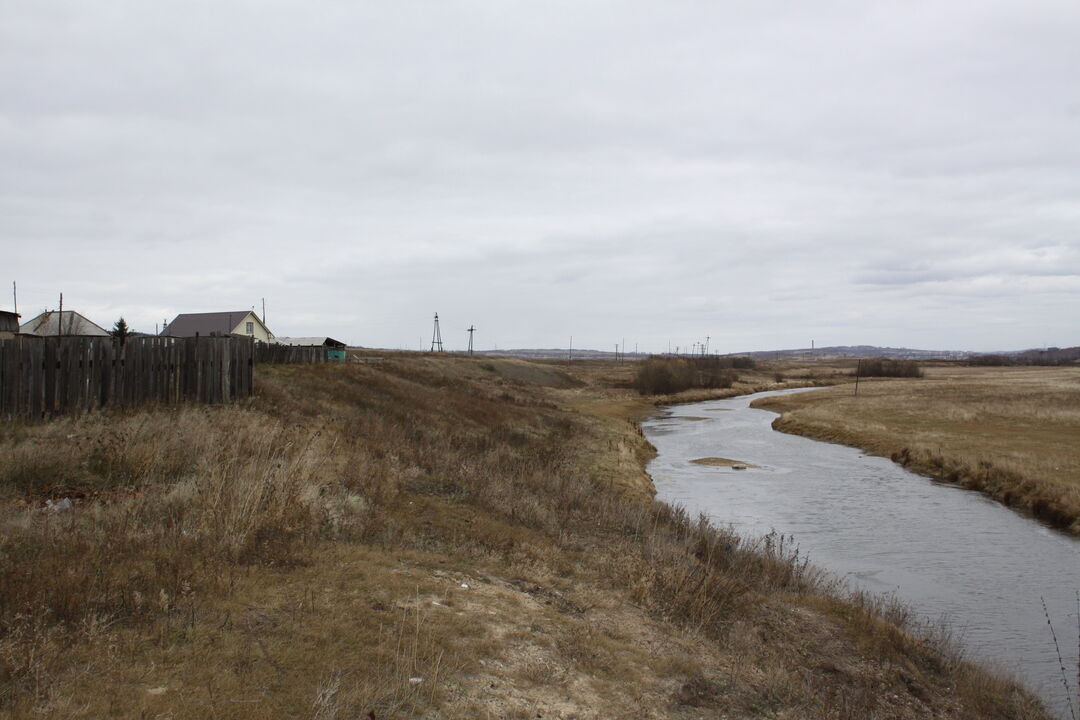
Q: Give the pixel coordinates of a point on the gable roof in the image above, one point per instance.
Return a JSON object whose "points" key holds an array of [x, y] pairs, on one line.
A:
{"points": [[207, 324], [49, 323]]}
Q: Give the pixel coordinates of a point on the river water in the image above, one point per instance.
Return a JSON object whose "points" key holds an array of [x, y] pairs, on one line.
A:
{"points": [[946, 552]]}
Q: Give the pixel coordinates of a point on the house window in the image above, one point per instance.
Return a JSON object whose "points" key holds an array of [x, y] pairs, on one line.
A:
{"points": [[251, 328]]}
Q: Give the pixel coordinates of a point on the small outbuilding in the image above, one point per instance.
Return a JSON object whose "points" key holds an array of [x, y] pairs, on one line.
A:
{"points": [[241, 323], [9, 325], [335, 349], [309, 341], [67, 323]]}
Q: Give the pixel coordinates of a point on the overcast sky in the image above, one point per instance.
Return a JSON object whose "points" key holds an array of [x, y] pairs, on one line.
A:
{"points": [[766, 173]]}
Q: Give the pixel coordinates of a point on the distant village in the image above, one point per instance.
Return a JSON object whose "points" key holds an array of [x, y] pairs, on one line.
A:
{"points": [[234, 323]]}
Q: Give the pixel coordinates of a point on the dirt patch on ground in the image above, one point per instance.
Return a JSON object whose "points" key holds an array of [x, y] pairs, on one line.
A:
{"points": [[531, 373]]}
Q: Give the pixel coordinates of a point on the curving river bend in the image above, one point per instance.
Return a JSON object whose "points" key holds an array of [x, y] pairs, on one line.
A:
{"points": [[946, 552]]}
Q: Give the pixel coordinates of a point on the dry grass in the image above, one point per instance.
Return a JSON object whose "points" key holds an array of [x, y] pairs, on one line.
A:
{"points": [[1008, 431], [427, 536]]}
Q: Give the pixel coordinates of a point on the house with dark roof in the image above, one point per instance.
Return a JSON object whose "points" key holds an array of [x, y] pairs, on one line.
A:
{"points": [[241, 323], [67, 323]]}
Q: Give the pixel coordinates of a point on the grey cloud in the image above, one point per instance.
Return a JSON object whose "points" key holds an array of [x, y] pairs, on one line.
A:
{"points": [[663, 171]]}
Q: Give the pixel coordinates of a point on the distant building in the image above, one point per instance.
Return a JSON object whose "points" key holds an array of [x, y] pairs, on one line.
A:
{"points": [[242, 323], [335, 349], [9, 325], [68, 323], [308, 341]]}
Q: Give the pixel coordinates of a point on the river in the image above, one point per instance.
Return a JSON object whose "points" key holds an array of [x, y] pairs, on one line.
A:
{"points": [[946, 552]]}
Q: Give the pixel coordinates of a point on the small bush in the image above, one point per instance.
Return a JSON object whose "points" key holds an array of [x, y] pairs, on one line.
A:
{"points": [[666, 375], [660, 376], [884, 367], [990, 360]]}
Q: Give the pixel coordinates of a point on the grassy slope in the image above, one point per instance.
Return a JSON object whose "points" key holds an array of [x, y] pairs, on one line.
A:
{"points": [[1011, 432], [427, 536]]}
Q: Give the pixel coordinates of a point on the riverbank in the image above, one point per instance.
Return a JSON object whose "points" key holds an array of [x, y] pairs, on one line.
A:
{"points": [[1007, 431], [426, 536]]}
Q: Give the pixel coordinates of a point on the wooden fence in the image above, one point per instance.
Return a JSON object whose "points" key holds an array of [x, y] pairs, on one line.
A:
{"points": [[42, 377], [268, 353], [45, 376]]}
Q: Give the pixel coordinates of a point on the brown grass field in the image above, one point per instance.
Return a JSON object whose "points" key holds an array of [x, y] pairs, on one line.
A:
{"points": [[1012, 432], [438, 537]]}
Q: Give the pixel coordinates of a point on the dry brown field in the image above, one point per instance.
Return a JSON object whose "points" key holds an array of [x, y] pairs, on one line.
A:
{"points": [[1012, 432], [437, 537]]}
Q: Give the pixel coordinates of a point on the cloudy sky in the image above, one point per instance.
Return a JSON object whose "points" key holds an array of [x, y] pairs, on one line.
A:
{"points": [[763, 173]]}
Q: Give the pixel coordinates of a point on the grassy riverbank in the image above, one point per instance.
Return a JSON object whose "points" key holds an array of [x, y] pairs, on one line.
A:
{"points": [[1008, 431], [427, 536]]}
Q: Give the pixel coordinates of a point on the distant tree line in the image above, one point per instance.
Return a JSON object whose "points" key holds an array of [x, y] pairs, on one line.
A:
{"points": [[885, 367], [1050, 356]]}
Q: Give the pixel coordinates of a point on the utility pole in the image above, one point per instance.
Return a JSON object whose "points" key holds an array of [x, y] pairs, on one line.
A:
{"points": [[436, 336], [616, 352], [570, 357], [264, 311], [858, 371], [707, 339], [60, 317], [15, 296], [471, 331]]}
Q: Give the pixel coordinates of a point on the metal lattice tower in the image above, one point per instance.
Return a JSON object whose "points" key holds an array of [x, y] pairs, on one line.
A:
{"points": [[471, 331], [436, 336]]}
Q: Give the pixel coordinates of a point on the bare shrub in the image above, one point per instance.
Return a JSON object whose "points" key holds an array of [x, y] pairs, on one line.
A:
{"points": [[665, 375], [885, 367]]}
